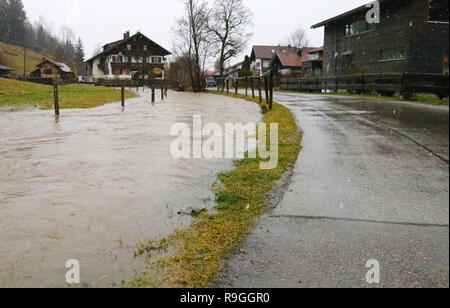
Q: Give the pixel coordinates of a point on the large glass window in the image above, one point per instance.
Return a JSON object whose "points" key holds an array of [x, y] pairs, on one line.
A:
{"points": [[393, 54], [438, 11], [357, 25]]}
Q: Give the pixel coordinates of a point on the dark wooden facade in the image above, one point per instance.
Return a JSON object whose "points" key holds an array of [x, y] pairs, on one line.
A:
{"points": [[409, 38], [4, 70], [49, 69]]}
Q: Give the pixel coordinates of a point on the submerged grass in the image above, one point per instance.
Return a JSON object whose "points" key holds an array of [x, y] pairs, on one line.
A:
{"points": [[196, 253], [20, 93]]}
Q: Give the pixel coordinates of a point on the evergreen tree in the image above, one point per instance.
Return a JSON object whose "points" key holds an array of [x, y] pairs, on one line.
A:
{"points": [[79, 57], [4, 24], [16, 19], [41, 37]]}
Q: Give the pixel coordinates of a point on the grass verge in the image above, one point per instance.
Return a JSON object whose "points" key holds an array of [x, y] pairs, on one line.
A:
{"points": [[19, 93], [430, 99], [197, 252]]}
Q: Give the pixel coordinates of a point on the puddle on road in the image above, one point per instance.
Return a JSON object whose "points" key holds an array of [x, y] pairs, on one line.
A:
{"points": [[408, 114], [95, 183]]}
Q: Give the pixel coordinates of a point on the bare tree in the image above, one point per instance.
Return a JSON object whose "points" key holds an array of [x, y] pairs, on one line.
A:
{"points": [[193, 41], [228, 25], [298, 38]]}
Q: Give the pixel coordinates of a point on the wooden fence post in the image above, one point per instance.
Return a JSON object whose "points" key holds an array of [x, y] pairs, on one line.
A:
{"points": [[363, 84], [236, 84], [271, 90], [266, 89], [122, 95], [246, 86], [153, 93], [56, 98], [260, 90], [228, 86], [162, 90], [253, 86]]}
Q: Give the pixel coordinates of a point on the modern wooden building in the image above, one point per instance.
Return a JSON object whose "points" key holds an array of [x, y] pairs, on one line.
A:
{"points": [[50, 69], [125, 58], [412, 37]]}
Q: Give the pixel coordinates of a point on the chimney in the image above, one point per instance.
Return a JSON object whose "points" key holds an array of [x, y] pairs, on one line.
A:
{"points": [[126, 35]]}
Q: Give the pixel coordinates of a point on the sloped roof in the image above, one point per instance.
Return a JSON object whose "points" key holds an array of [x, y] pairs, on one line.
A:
{"points": [[63, 66], [108, 47], [344, 15], [267, 52], [318, 49], [112, 44], [291, 58], [4, 67]]}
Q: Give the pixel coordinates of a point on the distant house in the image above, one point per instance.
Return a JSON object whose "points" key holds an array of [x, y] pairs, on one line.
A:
{"points": [[412, 36], [262, 56], [233, 70], [52, 69], [312, 62], [4, 70], [126, 57], [298, 60]]}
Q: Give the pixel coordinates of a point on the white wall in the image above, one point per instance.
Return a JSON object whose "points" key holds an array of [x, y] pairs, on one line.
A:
{"points": [[96, 72]]}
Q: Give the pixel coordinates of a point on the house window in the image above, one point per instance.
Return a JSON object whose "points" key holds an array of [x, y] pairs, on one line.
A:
{"points": [[48, 71], [117, 71], [358, 25], [145, 48], [155, 60], [438, 11], [393, 54], [129, 47]]}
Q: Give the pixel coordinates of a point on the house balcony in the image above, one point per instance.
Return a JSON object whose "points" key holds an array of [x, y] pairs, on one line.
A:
{"points": [[137, 66]]}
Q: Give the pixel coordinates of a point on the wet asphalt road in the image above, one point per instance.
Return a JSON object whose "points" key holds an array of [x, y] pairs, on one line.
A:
{"points": [[372, 182]]}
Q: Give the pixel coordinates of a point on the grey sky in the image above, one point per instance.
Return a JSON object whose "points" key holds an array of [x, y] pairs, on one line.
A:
{"points": [[98, 22]]}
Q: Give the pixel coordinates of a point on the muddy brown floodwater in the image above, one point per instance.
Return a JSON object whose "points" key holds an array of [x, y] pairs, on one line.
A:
{"points": [[93, 184]]}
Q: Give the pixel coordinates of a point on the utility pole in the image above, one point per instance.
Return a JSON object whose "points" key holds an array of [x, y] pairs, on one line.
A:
{"points": [[24, 62]]}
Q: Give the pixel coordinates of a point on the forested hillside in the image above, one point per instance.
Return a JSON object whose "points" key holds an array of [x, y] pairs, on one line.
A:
{"points": [[17, 29], [13, 56]]}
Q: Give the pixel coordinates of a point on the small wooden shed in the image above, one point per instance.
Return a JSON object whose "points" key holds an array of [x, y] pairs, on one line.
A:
{"points": [[56, 70], [4, 70]]}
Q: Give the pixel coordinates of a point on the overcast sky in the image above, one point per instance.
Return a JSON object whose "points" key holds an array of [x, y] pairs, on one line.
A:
{"points": [[98, 22]]}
